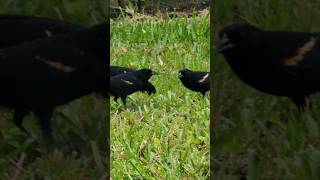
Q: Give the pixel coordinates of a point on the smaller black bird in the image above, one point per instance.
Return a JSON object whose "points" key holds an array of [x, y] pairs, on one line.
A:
{"points": [[125, 84], [116, 70], [195, 80]]}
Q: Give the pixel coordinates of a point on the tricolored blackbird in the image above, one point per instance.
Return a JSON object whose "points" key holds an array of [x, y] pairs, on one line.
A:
{"points": [[282, 63]]}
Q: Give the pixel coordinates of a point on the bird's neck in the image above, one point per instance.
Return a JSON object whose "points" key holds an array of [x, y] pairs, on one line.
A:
{"points": [[96, 43]]}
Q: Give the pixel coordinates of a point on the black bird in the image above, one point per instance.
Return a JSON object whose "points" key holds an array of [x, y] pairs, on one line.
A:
{"points": [[39, 75], [116, 70], [17, 29], [125, 84], [282, 63], [195, 80]]}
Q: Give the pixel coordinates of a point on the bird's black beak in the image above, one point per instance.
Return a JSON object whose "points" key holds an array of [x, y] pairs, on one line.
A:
{"points": [[224, 44], [154, 73]]}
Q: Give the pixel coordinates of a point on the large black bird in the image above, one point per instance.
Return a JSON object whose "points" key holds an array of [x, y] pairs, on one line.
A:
{"points": [[282, 63], [116, 70], [17, 29], [195, 80], [125, 84], [39, 75]]}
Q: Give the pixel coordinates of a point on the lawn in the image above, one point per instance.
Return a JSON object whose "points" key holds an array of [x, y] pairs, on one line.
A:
{"points": [[165, 135], [259, 136], [79, 128]]}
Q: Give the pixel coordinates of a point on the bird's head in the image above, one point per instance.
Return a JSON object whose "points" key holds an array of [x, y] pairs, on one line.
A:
{"points": [[182, 73], [234, 36], [145, 73]]}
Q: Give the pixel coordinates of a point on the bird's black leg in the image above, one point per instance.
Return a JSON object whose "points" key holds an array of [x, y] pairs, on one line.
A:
{"points": [[148, 87], [123, 98], [116, 99], [18, 116], [44, 116], [300, 102]]}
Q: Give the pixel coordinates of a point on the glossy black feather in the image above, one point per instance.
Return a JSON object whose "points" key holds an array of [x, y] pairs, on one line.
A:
{"points": [[125, 84]]}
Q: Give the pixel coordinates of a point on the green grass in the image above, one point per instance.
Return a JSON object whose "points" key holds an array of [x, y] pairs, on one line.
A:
{"points": [[79, 128], [165, 135], [259, 136]]}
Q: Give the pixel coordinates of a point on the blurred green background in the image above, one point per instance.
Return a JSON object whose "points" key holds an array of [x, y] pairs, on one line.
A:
{"points": [[153, 6], [79, 128], [259, 136]]}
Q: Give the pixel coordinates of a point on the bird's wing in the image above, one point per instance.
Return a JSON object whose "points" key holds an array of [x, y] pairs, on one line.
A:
{"points": [[204, 79], [285, 53], [125, 82], [303, 62], [43, 60]]}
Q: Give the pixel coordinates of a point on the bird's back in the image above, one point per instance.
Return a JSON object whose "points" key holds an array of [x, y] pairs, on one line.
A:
{"points": [[124, 84], [116, 70], [19, 29]]}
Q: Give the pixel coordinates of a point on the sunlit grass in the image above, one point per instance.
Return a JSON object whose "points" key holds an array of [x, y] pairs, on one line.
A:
{"points": [[166, 134]]}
